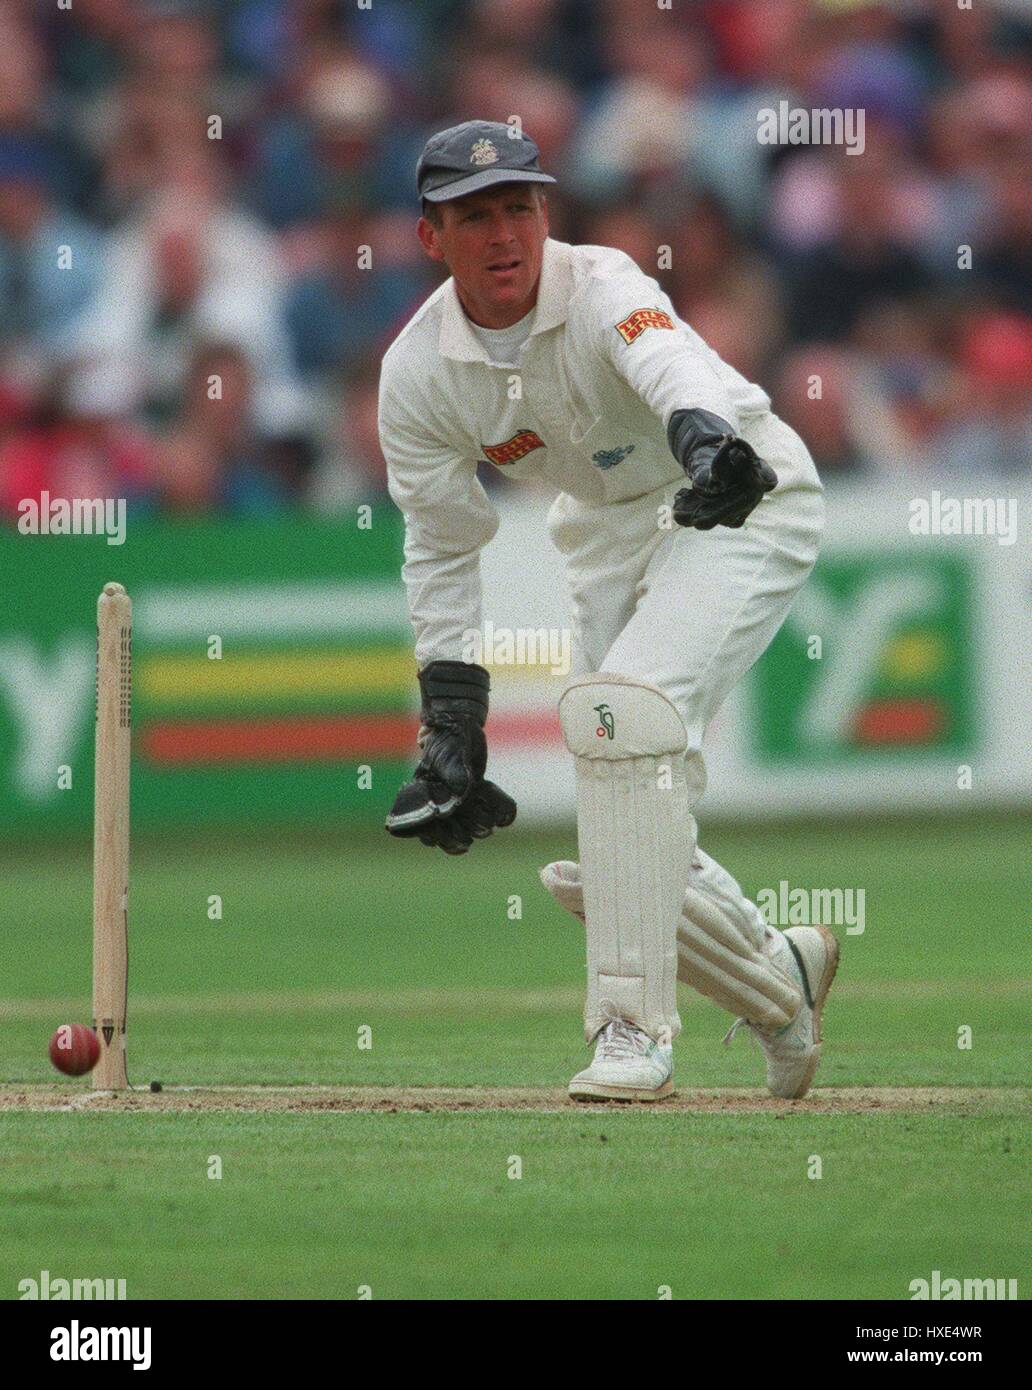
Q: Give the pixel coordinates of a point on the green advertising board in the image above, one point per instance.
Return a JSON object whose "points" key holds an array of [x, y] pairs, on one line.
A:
{"points": [[272, 670], [876, 659], [274, 680]]}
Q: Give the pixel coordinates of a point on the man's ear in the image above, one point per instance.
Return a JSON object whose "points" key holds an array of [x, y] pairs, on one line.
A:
{"points": [[427, 233]]}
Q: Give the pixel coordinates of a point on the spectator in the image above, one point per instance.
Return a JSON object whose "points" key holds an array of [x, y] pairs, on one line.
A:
{"points": [[823, 393], [641, 130], [82, 445], [29, 112], [868, 256], [992, 430], [214, 457], [725, 290], [1003, 263], [353, 471], [191, 267], [331, 145], [173, 45], [354, 282], [907, 367], [49, 258]]}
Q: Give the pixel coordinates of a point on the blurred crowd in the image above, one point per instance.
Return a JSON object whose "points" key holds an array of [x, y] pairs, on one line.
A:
{"points": [[207, 222]]}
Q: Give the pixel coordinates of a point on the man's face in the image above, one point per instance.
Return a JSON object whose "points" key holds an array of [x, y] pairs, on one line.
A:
{"points": [[492, 243]]}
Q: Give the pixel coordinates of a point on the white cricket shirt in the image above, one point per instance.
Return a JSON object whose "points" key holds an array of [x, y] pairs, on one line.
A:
{"points": [[606, 363]]}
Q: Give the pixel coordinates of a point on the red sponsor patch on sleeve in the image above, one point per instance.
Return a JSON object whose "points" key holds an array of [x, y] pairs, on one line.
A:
{"points": [[635, 324], [521, 444]]}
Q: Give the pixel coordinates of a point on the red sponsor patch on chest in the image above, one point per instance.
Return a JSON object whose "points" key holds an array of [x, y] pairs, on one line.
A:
{"points": [[521, 444], [635, 324]]}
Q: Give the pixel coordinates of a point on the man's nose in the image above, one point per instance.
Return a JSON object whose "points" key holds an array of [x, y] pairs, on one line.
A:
{"points": [[502, 227]]}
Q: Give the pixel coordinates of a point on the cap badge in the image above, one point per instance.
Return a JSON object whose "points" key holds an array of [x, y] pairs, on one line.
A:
{"points": [[484, 152]]}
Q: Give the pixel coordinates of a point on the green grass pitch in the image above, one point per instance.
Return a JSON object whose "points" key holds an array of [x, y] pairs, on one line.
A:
{"points": [[464, 974]]}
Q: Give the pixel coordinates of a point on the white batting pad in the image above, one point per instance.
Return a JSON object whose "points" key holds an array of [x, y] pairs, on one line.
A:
{"points": [[724, 949], [636, 839], [722, 942]]}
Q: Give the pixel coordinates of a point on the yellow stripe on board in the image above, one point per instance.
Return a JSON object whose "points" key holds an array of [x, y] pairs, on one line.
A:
{"points": [[169, 679]]}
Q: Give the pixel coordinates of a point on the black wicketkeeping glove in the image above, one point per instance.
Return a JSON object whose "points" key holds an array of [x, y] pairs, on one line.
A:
{"points": [[728, 477], [449, 803]]}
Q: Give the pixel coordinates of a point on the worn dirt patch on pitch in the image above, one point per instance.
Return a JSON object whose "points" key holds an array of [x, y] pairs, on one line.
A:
{"points": [[853, 1100]]}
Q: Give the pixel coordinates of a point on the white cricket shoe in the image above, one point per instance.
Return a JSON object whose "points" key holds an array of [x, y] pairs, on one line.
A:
{"points": [[794, 1052], [628, 1065]]}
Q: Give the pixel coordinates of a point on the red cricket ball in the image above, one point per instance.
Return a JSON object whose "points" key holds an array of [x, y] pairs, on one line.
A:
{"points": [[74, 1049]]}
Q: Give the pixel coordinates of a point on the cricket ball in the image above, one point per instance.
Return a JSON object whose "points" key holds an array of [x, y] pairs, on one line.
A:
{"points": [[74, 1049]]}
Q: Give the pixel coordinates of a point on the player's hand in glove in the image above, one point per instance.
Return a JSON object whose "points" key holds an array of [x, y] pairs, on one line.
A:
{"points": [[728, 477], [448, 803]]}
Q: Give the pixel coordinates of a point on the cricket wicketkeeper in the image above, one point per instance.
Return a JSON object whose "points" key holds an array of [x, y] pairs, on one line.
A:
{"points": [[632, 418]]}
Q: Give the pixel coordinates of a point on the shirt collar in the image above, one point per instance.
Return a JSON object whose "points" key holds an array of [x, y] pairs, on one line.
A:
{"points": [[457, 340]]}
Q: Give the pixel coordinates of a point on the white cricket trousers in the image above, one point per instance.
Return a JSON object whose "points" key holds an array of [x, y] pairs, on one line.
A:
{"points": [[690, 611]]}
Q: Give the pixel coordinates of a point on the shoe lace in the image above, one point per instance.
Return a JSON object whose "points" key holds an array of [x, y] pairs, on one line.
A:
{"points": [[729, 1036], [621, 1040], [763, 1038]]}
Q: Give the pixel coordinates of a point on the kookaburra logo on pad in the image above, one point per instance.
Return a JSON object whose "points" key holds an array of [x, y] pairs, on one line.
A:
{"points": [[521, 444], [606, 723], [484, 152], [635, 324]]}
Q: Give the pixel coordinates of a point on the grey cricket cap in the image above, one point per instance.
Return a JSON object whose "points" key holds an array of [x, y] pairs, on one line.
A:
{"points": [[468, 157]]}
